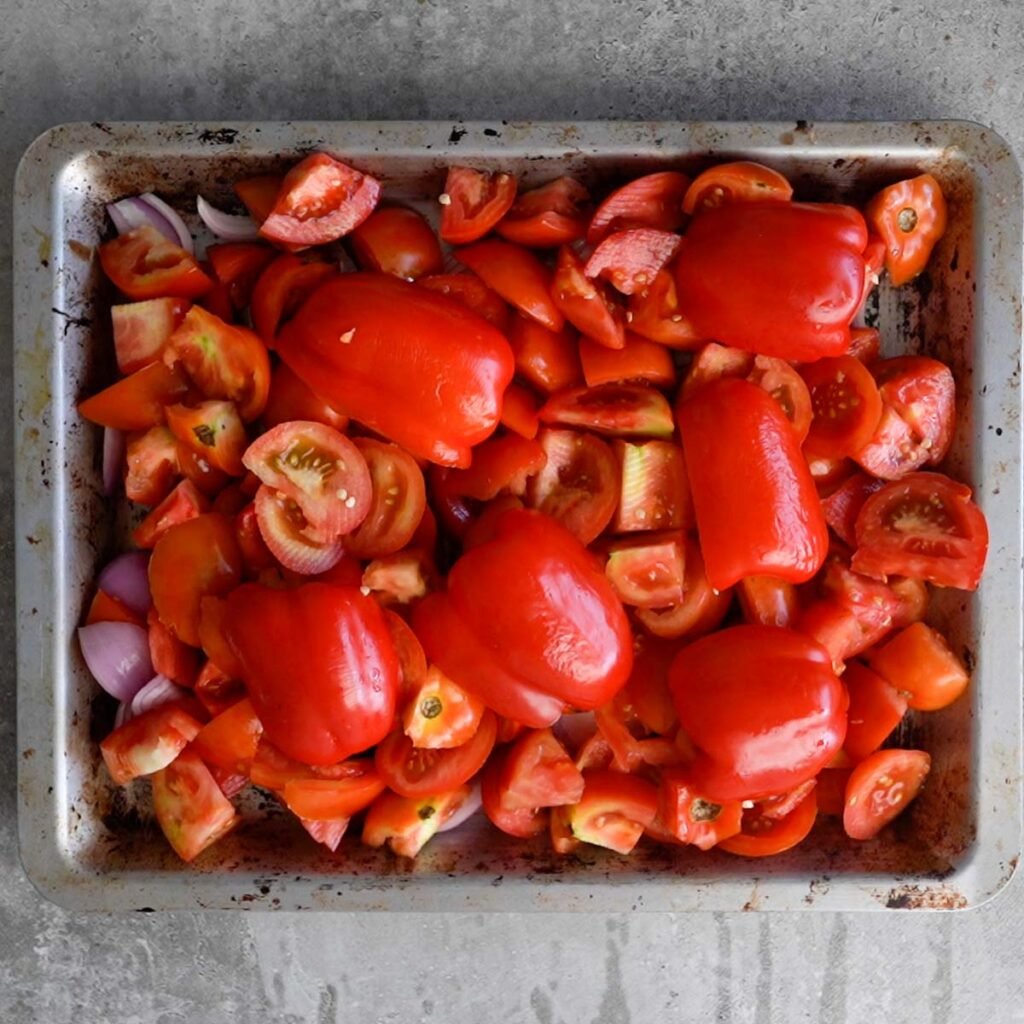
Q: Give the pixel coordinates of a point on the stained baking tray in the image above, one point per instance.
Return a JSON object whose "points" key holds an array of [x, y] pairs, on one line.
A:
{"points": [[86, 844]]}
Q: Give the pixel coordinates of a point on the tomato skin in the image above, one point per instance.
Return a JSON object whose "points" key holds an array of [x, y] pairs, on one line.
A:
{"points": [[614, 810], [521, 822], [397, 240], [476, 201], [553, 214], [541, 650], [763, 707], [258, 194], [135, 402], [147, 743], [500, 465], [182, 504], [917, 661], [468, 290], [282, 287], [538, 772], [290, 399], [639, 360], [742, 181], [333, 798], [757, 509], [765, 836], [519, 411], [880, 787], [340, 698], [230, 739], [585, 303], [549, 360], [691, 819], [434, 406], [843, 505], [876, 708], [630, 260], [655, 488], [141, 330], [321, 199], [651, 201], [654, 314], [910, 217], [925, 526], [779, 279], [145, 265]]}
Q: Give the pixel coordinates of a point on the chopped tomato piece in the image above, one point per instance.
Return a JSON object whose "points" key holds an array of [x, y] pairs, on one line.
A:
{"points": [[237, 265], [182, 504], [648, 572], [786, 386], [468, 290], [148, 742], [910, 217], [646, 695], [281, 288], [654, 313], [614, 810], [537, 772], [145, 265], [440, 714], [876, 708], [549, 360], [918, 662], [327, 799], [693, 819], [258, 194], [229, 740], [215, 690], [763, 835], [623, 410], [843, 505], [153, 465], [397, 240], [522, 822], [171, 658], [402, 577], [284, 529], [880, 787], [768, 601], [141, 330], [652, 201], [865, 344], [586, 303], [655, 491], [638, 360], [213, 430], [105, 608], [500, 465], [631, 259], [473, 202], [742, 181], [553, 214], [407, 824], [136, 402], [714, 361], [519, 411], [412, 661]]}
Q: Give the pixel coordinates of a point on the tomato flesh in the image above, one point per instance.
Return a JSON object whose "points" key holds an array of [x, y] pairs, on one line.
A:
{"points": [[880, 787]]}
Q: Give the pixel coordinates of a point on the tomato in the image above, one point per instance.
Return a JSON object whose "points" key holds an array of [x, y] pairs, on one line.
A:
{"points": [[861, 342], [910, 217], [537, 772], [229, 740], [416, 771], [652, 201], [842, 630], [319, 470], [787, 387], [918, 662], [473, 202], [291, 399], [648, 572], [320, 199], [500, 465], [145, 265], [757, 509], [585, 303], [866, 596], [579, 484], [522, 822], [182, 504], [328, 799], [190, 807], [924, 526], [440, 714], [170, 657], [207, 478], [141, 330], [519, 411], [764, 835], [880, 787], [639, 360], [153, 464], [529, 623], [215, 690], [630, 260], [549, 360], [876, 708], [553, 214], [626, 410], [617, 727], [562, 839], [741, 181], [432, 405], [827, 474], [412, 662], [400, 578], [329, 832], [468, 290], [213, 430], [255, 553], [104, 608], [654, 313], [217, 300], [691, 818], [646, 695], [135, 402], [284, 530], [830, 790], [655, 491], [258, 194], [843, 505], [192, 560], [779, 279], [614, 810], [865, 343], [702, 607], [912, 596], [282, 287], [237, 265], [224, 361], [405, 824], [397, 240], [397, 502], [147, 742], [736, 687], [714, 361], [339, 697], [767, 601]]}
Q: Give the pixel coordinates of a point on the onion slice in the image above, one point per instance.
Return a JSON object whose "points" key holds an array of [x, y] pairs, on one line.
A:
{"points": [[113, 458], [181, 232], [465, 810], [157, 692], [127, 579], [133, 212], [229, 226], [117, 654]]}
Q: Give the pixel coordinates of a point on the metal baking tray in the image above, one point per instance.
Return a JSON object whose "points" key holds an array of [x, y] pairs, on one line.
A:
{"points": [[86, 844]]}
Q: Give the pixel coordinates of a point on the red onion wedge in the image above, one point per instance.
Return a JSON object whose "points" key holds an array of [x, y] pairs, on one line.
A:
{"points": [[465, 810], [157, 692], [113, 458], [230, 227], [127, 579], [117, 654], [574, 729], [131, 213]]}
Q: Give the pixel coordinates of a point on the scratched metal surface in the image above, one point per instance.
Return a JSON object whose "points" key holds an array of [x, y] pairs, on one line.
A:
{"points": [[210, 60]]}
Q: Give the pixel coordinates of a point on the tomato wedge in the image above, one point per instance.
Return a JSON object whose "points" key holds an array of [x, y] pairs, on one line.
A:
{"points": [[549, 360], [764, 834], [397, 240], [622, 410], [147, 743], [917, 662], [787, 387], [408, 824], [693, 819], [440, 714], [876, 708], [639, 360], [843, 505], [649, 572], [213, 430], [910, 217], [237, 265], [768, 601], [652, 201], [586, 303], [654, 313], [468, 290], [537, 772], [630, 260], [183, 503], [145, 265], [136, 402], [522, 822], [500, 465], [327, 799], [614, 810], [473, 202], [880, 787], [230, 739], [553, 214], [519, 411], [655, 491], [141, 330], [741, 181], [258, 194], [282, 288], [290, 398]]}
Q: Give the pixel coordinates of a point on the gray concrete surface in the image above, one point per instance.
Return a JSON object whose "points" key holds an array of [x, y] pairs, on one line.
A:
{"points": [[66, 60]]}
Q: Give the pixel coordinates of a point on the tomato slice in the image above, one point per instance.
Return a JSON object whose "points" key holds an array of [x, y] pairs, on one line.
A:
{"points": [[787, 387], [918, 662], [320, 471], [654, 313], [586, 303], [170, 657], [924, 526], [843, 505], [714, 361], [282, 287], [614, 810], [652, 201], [522, 822], [192, 560], [880, 787], [320, 200], [215, 690], [213, 430], [285, 529], [768, 601], [910, 217], [415, 772], [517, 276], [741, 181], [630, 260], [842, 630], [136, 402], [229, 740], [182, 504], [141, 330], [764, 835], [500, 465], [104, 608], [258, 194], [143, 264], [619, 410], [537, 772], [190, 807], [473, 202], [472, 293], [397, 240], [876, 708], [519, 411], [847, 406], [648, 572], [639, 361], [153, 464], [553, 214], [440, 714], [865, 343], [148, 742], [646, 695], [407, 824], [693, 819], [579, 484], [327, 799], [237, 265], [549, 360], [655, 492], [400, 578], [412, 661], [290, 398]]}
